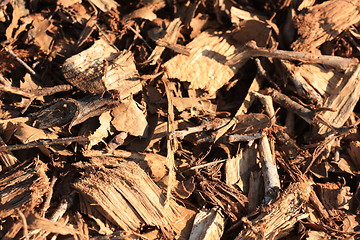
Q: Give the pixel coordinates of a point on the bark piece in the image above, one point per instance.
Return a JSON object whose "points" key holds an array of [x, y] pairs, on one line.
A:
{"points": [[23, 187], [316, 235], [38, 33], [198, 24], [280, 216], [102, 68], [334, 197], [195, 105], [126, 196], [252, 30], [250, 123], [303, 87], [27, 134], [256, 184], [246, 104], [72, 112], [204, 68], [229, 199], [147, 11], [323, 22], [101, 132], [67, 3], [19, 11], [208, 225], [305, 4], [152, 163]]}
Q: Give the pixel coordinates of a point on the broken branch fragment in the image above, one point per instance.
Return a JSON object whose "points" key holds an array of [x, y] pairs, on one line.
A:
{"points": [[292, 106], [72, 111], [166, 38], [252, 50], [269, 170], [35, 93], [45, 142]]}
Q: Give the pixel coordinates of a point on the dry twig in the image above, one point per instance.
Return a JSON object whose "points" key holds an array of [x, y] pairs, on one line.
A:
{"points": [[252, 50]]}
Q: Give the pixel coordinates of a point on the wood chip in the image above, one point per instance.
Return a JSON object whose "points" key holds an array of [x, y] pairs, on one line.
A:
{"points": [[204, 68], [126, 196], [323, 22], [112, 70], [23, 187]]}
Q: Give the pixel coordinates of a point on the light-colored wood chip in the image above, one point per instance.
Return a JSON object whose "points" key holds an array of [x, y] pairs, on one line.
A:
{"points": [[323, 22], [204, 68], [208, 225], [126, 196]]}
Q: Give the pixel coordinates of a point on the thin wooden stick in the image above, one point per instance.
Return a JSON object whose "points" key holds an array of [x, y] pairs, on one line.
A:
{"points": [[36, 93], [206, 164], [293, 106], [268, 104], [172, 144], [269, 170], [252, 50], [48, 197], [45, 142], [242, 138], [30, 70]]}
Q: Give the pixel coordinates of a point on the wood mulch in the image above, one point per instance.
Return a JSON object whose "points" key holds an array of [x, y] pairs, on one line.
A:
{"points": [[191, 119]]}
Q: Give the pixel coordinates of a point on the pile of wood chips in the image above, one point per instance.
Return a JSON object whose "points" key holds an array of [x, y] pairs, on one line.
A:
{"points": [[191, 119]]}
